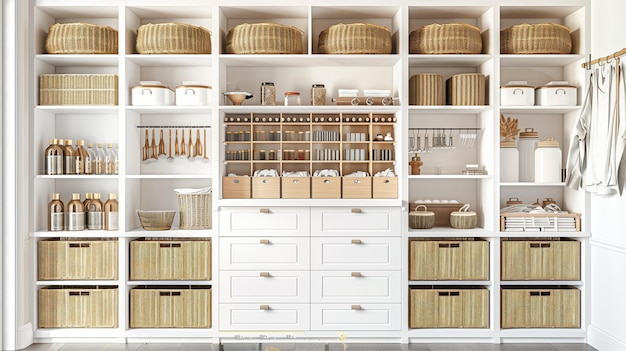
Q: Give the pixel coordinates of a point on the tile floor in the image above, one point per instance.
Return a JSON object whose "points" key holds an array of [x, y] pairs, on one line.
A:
{"points": [[309, 347]]}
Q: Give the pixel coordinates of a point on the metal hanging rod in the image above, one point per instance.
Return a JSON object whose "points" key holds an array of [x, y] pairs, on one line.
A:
{"points": [[455, 128], [171, 127]]}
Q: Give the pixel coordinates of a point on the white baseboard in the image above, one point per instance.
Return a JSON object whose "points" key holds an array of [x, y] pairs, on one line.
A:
{"points": [[604, 341], [24, 336]]}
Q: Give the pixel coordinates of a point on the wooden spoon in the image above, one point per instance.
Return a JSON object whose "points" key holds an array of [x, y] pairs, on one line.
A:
{"points": [[176, 147], [204, 152], [146, 147], [154, 149], [169, 144], [161, 144], [191, 147], [183, 145], [198, 144]]}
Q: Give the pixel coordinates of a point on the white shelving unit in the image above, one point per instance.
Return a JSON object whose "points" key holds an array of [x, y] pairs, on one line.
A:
{"points": [[371, 233]]}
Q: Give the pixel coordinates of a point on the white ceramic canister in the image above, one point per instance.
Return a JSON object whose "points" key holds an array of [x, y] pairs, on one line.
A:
{"points": [[548, 161], [509, 162], [152, 94], [193, 94], [527, 145], [517, 93]]}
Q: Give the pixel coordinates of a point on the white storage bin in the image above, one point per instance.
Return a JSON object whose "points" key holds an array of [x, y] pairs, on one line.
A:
{"points": [[193, 94], [517, 93], [557, 93], [152, 94]]}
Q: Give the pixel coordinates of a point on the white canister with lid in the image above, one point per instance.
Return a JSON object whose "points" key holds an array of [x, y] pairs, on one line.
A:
{"points": [[527, 144], [517, 93], [509, 162], [548, 161], [152, 93], [193, 94], [556, 93]]}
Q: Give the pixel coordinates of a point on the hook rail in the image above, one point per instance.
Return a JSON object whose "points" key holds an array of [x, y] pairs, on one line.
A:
{"points": [[615, 55]]}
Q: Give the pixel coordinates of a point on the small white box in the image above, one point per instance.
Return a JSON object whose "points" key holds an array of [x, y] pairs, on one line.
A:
{"points": [[517, 93], [193, 94], [152, 94], [556, 93]]}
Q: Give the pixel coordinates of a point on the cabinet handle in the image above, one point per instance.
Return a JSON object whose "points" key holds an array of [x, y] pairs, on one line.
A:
{"points": [[356, 274], [356, 210], [547, 246], [264, 241], [164, 245], [539, 293], [175, 245], [535, 245], [264, 307], [356, 307], [79, 293], [164, 293], [356, 241], [264, 274], [455, 246], [264, 210]]}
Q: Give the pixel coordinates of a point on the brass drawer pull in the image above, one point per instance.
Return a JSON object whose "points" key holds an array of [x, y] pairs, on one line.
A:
{"points": [[264, 241], [264, 307], [356, 241], [356, 274], [356, 210], [264, 274], [264, 210], [356, 307]]}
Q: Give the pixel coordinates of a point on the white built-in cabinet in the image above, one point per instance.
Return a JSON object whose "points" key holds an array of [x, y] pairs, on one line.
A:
{"points": [[305, 268]]}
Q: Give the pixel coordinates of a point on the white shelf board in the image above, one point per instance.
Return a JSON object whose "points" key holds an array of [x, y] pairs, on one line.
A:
{"points": [[78, 60], [533, 283], [89, 334], [422, 60], [308, 60], [311, 109], [158, 60], [309, 202], [532, 184], [446, 109], [87, 234], [174, 232], [459, 283], [174, 110], [448, 232], [534, 110], [545, 234], [79, 176], [77, 282], [169, 283], [70, 9], [449, 176], [169, 176], [508, 60], [82, 109]]}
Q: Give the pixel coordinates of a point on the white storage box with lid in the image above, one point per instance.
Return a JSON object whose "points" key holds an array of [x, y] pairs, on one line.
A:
{"points": [[152, 94], [556, 93], [193, 94], [517, 93]]}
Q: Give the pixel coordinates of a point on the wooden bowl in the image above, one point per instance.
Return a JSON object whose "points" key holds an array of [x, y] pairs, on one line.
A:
{"points": [[237, 97]]}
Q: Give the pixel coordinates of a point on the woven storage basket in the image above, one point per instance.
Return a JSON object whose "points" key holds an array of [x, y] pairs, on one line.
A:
{"points": [[449, 38], [541, 38], [81, 38], [264, 38], [78, 89], [156, 220], [426, 89], [195, 210], [173, 38], [466, 89], [355, 38]]}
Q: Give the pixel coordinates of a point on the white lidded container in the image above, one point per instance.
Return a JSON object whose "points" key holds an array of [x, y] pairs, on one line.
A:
{"points": [[527, 144], [509, 162], [192, 93], [152, 93], [548, 162], [556, 93], [517, 93]]}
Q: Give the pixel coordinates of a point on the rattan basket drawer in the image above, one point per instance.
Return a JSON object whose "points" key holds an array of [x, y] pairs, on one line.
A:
{"points": [[540, 307], [541, 259], [449, 307], [78, 307], [170, 307], [77, 259], [78, 89], [449, 260], [170, 259]]}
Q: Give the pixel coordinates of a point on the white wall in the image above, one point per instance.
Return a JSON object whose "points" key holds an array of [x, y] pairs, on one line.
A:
{"points": [[608, 250]]}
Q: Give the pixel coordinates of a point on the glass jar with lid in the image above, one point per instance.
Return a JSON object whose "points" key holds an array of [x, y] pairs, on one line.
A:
{"points": [[292, 98]]}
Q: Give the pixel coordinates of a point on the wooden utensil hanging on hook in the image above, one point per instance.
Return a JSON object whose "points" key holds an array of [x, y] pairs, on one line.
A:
{"points": [[204, 151]]}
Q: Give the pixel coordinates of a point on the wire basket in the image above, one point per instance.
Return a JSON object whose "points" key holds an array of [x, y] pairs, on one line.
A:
{"points": [[195, 210]]}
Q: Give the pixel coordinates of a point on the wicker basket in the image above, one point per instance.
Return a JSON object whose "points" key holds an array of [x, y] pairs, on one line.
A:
{"points": [[449, 38], [156, 220], [195, 210], [81, 38], [542, 38], [78, 89], [426, 89], [355, 38], [173, 38], [264, 38], [466, 89]]}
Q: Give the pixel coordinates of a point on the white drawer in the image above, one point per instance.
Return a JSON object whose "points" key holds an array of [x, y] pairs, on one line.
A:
{"points": [[264, 286], [356, 317], [264, 317], [354, 253], [350, 221], [271, 253], [355, 287], [274, 221]]}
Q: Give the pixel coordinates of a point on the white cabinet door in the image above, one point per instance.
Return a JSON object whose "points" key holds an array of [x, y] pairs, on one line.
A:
{"points": [[264, 286], [264, 317], [356, 316], [271, 253], [350, 221], [355, 286], [256, 221], [354, 253]]}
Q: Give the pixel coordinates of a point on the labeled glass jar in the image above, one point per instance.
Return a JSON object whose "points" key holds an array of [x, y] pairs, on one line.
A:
{"points": [[318, 95], [292, 98], [268, 93]]}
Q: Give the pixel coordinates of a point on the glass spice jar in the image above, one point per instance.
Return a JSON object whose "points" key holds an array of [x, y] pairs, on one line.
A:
{"points": [[318, 95], [292, 98]]}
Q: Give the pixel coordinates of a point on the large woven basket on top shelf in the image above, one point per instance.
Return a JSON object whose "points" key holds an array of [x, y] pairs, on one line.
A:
{"points": [[355, 38], [173, 38], [449, 38], [264, 38], [81, 38], [541, 38]]}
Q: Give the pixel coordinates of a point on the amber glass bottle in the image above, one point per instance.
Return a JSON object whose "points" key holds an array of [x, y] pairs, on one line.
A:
{"points": [[111, 213], [75, 214], [56, 219]]}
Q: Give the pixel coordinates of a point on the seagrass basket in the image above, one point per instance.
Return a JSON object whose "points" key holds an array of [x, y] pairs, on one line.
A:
{"points": [[173, 38], [426, 89], [467, 89], [264, 38], [355, 38], [541, 38], [156, 220], [195, 210], [81, 38], [449, 38], [78, 89]]}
